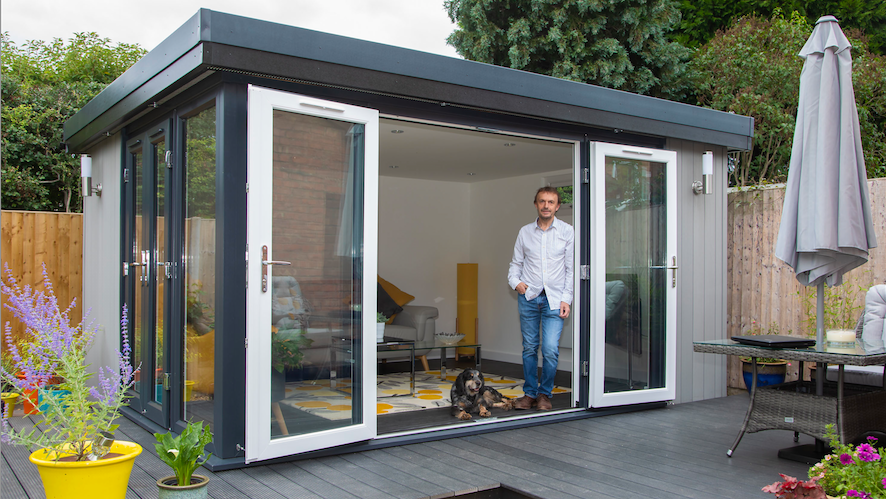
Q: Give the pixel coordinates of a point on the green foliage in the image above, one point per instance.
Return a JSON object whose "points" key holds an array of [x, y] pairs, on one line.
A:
{"points": [[702, 19], [843, 304], [753, 69], [850, 468], [619, 44], [182, 452], [286, 349], [200, 167], [43, 85]]}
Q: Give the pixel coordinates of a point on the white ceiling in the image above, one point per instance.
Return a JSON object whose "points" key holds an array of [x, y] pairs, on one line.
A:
{"points": [[433, 152]]}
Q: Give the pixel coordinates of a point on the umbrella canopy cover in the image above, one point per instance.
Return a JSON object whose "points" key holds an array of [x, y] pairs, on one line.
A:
{"points": [[826, 228]]}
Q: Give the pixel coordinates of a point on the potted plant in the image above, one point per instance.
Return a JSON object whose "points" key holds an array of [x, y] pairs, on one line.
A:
{"points": [[75, 446], [380, 320], [182, 453], [791, 488], [851, 471], [286, 353], [770, 371]]}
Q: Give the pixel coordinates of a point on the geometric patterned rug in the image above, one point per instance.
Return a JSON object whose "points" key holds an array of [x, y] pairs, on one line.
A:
{"points": [[334, 403]]}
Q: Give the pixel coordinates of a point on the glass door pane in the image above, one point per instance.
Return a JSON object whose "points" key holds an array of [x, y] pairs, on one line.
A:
{"points": [[635, 203], [313, 192], [146, 184], [199, 275]]}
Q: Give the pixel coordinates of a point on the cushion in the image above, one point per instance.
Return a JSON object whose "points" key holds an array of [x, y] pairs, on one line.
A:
{"points": [[386, 304], [874, 318], [400, 297]]}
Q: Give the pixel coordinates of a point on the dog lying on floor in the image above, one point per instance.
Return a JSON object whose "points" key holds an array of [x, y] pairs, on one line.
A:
{"points": [[470, 395]]}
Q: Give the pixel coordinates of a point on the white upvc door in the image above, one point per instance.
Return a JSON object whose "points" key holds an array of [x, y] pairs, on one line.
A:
{"points": [[312, 214], [633, 275]]}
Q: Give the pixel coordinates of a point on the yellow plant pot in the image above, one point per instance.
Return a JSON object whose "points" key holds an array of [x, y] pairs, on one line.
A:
{"points": [[9, 399], [107, 478]]}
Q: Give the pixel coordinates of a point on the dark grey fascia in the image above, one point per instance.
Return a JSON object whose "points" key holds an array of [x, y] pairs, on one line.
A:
{"points": [[237, 43]]}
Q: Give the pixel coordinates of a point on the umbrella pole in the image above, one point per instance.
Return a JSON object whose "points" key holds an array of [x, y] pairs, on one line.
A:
{"points": [[821, 367]]}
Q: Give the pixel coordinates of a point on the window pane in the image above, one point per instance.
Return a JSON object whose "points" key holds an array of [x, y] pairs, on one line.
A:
{"points": [[636, 237], [199, 239], [317, 226]]}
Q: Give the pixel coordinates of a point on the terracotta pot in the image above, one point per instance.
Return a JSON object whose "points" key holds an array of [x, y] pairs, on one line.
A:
{"points": [[169, 488]]}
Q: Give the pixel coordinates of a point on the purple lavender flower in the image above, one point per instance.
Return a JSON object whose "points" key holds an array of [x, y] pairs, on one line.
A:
{"points": [[858, 493], [846, 459]]}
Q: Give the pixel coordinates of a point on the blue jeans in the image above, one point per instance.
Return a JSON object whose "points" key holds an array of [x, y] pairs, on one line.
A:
{"points": [[535, 313]]}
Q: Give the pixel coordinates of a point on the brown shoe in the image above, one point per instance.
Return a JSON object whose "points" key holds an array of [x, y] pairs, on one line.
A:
{"points": [[524, 403], [544, 403]]}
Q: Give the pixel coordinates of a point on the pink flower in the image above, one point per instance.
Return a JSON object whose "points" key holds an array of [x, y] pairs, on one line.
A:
{"points": [[846, 459]]}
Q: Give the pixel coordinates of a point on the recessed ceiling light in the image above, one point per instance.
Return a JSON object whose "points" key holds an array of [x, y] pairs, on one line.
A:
{"points": [[471, 174], [393, 166], [396, 131], [510, 144]]}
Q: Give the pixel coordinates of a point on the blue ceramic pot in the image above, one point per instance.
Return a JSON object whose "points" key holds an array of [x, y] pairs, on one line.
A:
{"points": [[767, 374]]}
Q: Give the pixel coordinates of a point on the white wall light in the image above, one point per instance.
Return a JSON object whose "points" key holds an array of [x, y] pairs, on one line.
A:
{"points": [[706, 184], [86, 188]]}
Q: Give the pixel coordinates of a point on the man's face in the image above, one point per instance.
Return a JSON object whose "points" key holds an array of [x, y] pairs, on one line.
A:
{"points": [[547, 205]]}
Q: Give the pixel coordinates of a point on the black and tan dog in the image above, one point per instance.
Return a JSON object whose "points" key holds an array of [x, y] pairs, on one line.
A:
{"points": [[470, 395]]}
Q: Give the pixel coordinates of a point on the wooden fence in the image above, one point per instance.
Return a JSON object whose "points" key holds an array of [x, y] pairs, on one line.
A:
{"points": [[31, 239], [763, 293]]}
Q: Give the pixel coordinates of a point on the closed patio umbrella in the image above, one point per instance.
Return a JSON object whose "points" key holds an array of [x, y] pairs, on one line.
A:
{"points": [[826, 228]]}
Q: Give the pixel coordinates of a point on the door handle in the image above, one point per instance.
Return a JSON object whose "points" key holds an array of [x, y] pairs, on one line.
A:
{"points": [[265, 263], [673, 268]]}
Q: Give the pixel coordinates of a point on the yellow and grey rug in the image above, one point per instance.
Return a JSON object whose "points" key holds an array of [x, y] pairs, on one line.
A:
{"points": [[334, 402]]}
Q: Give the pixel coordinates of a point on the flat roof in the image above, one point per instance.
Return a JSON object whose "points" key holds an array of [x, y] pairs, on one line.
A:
{"points": [[213, 41]]}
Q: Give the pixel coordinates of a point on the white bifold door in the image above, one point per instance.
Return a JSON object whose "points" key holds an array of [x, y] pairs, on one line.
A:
{"points": [[633, 275], [311, 270]]}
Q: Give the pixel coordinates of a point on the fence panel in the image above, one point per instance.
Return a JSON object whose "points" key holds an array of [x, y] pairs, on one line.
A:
{"points": [[763, 293], [31, 239]]}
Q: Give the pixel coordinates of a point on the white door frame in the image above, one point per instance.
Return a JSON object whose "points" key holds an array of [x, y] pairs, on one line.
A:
{"points": [[262, 103], [597, 398]]}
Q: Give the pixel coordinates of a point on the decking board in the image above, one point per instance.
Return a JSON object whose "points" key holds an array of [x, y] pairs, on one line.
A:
{"points": [[677, 452]]}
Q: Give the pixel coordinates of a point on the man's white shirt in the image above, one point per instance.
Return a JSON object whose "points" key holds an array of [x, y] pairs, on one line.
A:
{"points": [[543, 261]]}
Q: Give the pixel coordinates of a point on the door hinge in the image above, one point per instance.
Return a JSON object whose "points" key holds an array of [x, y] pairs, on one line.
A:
{"points": [[585, 368], [246, 343], [586, 176], [125, 175], [247, 187], [585, 272], [166, 381], [247, 267], [125, 269]]}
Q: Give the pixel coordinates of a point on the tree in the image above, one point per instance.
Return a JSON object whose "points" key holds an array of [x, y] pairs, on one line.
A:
{"points": [[753, 69], [43, 85], [703, 18], [619, 44]]}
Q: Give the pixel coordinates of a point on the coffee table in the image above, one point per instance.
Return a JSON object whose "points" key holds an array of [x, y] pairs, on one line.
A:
{"points": [[342, 345], [435, 343]]}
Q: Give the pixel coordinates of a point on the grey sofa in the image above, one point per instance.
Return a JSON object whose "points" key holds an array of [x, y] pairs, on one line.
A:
{"points": [[294, 316], [417, 323]]}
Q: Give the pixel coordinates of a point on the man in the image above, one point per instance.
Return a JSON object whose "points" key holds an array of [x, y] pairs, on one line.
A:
{"points": [[541, 273]]}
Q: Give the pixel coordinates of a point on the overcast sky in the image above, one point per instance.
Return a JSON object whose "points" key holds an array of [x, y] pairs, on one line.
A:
{"points": [[416, 24]]}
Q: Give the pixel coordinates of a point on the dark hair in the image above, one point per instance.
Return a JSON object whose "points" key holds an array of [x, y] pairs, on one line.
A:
{"points": [[549, 190]]}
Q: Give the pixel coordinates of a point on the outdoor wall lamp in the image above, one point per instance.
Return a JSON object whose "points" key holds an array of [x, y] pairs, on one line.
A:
{"points": [[86, 188], [706, 184]]}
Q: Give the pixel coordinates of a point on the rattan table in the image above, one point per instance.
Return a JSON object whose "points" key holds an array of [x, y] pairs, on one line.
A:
{"points": [[796, 405]]}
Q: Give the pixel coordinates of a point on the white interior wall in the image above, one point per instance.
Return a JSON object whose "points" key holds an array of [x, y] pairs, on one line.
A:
{"points": [[423, 233], [427, 227], [101, 256]]}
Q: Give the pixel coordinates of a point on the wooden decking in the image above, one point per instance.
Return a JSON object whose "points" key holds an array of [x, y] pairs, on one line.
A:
{"points": [[675, 452]]}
